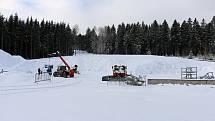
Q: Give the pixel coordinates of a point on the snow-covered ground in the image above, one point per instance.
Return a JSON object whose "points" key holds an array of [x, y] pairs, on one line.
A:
{"points": [[86, 98]]}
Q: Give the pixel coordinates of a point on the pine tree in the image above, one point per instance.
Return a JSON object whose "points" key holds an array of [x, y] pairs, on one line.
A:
{"points": [[88, 41], [165, 39], [175, 41], [21, 30], [36, 39], [154, 38], [139, 37], [144, 38], [94, 40], [190, 34], [70, 41], [195, 44], [209, 38], [10, 33], [213, 34], [203, 38], [213, 21], [1, 32], [134, 39], [16, 35], [113, 40], [120, 39], [185, 38], [127, 39]]}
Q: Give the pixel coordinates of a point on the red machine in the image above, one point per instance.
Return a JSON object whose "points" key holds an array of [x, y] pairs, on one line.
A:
{"points": [[119, 71], [120, 75], [63, 71]]}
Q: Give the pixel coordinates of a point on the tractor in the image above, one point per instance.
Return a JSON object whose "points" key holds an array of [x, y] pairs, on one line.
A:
{"points": [[120, 75], [63, 71]]}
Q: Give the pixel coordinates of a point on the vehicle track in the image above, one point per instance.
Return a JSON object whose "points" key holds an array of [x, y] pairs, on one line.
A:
{"points": [[32, 88]]}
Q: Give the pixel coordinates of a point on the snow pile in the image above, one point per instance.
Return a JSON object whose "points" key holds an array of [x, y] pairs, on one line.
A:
{"points": [[7, 61]]}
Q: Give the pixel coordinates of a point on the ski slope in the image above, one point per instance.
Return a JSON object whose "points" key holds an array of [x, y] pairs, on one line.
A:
{"points": [[86, 98]]}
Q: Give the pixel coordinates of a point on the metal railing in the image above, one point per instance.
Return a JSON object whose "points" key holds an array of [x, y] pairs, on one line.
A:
{"points": [[189, 73], [44, 76]]}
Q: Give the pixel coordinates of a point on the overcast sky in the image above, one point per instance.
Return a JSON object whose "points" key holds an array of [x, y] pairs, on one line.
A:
{"points": [[89, 13]]}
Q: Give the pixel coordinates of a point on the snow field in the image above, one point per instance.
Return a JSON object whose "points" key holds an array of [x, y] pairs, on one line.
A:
{"points": [[86, 98]]}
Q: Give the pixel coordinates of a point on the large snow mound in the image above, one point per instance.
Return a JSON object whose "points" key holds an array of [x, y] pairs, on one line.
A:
{"points": [[8, 60]]}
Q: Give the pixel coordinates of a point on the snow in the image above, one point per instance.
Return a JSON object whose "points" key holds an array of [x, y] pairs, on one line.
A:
{"points": [[86, 98], [7, 60]]}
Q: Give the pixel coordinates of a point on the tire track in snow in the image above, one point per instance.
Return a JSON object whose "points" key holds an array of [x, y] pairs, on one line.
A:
{"points": [[9, 91]]}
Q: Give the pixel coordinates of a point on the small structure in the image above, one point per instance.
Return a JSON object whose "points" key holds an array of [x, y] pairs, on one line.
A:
{"points": [[44, 76], [49, 69], [189, 73], [209, 75]]}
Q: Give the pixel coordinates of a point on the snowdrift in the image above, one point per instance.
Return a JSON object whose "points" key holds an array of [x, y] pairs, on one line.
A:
{"points": [[7, 61]]}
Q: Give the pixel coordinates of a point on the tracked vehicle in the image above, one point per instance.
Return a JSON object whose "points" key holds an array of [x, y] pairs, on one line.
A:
{"points": [[120, 75]]}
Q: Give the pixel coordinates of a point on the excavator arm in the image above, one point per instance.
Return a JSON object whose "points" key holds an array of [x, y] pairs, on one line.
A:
{"points": [[62, 59], [67, 65]]}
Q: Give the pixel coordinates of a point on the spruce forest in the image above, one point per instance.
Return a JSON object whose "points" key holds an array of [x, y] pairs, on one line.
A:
{"points": [[36, 39]]}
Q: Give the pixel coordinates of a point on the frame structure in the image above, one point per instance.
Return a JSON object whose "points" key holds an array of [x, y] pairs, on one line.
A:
{"points": [[189, 73], [42, 77]]}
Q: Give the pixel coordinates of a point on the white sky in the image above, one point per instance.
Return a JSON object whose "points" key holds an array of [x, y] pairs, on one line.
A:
{"points": [[89, 13]]}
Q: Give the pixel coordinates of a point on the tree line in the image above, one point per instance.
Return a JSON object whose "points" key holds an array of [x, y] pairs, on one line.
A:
{"points": [[156, 39], [34, 39]]}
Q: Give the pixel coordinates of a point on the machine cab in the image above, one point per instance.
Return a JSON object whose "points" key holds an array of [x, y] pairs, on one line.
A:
{"points": [[61, 68], [119, 71]]}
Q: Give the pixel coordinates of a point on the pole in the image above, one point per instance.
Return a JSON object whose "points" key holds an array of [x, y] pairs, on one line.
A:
{"points": [[2, 41]]}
